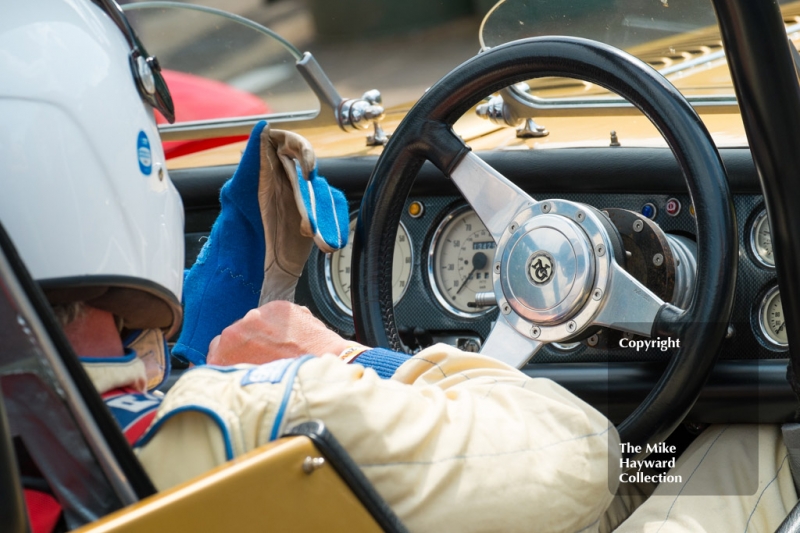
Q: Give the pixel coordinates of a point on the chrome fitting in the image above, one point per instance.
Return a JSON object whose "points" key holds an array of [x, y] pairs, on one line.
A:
{"points": [[358, 114], [496, 112], [506, 109], [485, 299], [310, 464], [361, 113], [146, 75]]}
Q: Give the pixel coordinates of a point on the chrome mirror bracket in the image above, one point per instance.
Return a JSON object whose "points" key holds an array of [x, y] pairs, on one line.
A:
{"points": [[320, 84], [351, 114]]}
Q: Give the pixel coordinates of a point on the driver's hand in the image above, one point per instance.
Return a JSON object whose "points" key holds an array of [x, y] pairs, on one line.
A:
{"points": [[276, 330]]}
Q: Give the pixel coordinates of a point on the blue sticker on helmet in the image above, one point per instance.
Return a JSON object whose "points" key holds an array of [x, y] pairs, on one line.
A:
{"points": [[144, 153]]}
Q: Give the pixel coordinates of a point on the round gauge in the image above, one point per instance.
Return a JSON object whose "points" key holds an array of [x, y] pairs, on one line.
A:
{"points": [[460, 262], [761, 240], [337, 269], [771, 319]]}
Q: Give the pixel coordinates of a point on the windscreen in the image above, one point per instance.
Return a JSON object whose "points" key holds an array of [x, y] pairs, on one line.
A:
{"points": [[679, 38]]}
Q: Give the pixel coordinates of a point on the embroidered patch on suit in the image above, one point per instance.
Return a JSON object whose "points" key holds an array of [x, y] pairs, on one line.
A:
{"points": [[268, 373]]}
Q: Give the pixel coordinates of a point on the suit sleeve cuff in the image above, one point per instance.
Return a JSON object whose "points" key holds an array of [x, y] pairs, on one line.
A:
{"points": [[383, 361]]}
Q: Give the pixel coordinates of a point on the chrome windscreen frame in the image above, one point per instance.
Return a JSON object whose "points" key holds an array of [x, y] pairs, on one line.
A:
{"points": [[514, 105]]}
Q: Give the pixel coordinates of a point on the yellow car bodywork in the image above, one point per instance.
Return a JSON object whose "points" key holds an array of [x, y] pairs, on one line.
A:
{"points": [[268, 489]]}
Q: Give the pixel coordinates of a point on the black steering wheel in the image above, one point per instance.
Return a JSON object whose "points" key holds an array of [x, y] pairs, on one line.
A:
{"points": [[557, 266]]}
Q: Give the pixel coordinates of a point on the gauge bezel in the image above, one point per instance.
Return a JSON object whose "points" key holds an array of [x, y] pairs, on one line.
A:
{"points": [[410, 268], [764, 332], [332, 289], [762, 215], [566, 347], [437, 293], [329, 271]]}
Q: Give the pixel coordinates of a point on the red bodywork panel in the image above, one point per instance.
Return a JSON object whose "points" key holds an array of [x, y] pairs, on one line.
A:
{"points": [[199, 98]]}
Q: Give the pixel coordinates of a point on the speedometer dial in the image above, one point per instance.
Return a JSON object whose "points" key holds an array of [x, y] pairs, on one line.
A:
{"points": [[761, 240], [338, 266], [460, 262], [772, 320]]}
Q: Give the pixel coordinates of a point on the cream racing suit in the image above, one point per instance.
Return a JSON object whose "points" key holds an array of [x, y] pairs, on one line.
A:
{"points": [[453, 441], [734, 478]]}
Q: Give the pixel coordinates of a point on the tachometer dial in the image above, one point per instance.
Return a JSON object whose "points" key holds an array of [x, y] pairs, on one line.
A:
{"points": [[771, 319], [460, 262], [761, 240], [337, 269]]}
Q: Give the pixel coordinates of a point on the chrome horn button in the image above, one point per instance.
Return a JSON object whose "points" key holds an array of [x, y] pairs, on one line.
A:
{"points": [[551, 316], [549, 269]]}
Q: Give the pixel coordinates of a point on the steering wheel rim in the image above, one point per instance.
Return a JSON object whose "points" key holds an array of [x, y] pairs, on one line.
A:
{"points": [[426, 134]]}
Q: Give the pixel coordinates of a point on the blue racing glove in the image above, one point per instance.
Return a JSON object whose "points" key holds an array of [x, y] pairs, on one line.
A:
{"points": [[272, 210]]}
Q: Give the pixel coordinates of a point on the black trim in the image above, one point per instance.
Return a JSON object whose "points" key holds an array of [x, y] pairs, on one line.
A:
{"points": [[12, 503], [348, 470], [122, 451], [568, 170], [769, 99], [37, 483], [741, 392]]}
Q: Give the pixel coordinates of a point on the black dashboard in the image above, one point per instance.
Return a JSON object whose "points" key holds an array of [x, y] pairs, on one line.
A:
{"points": [[748, 383]]}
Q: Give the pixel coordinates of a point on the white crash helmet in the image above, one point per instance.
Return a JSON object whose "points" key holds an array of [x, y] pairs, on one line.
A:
{"points": [[84, 190]]}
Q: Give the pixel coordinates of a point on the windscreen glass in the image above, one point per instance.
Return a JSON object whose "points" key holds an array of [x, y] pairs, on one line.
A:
{"points": [[220, 65], [679, 38]]}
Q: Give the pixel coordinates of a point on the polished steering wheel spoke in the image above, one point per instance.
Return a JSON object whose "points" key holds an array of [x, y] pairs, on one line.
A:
{"points": [[493, 197], [509, 346], [629, 305]]}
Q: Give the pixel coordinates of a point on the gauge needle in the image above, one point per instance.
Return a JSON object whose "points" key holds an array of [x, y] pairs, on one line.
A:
{"points": [[780, 328], [479, 261]]}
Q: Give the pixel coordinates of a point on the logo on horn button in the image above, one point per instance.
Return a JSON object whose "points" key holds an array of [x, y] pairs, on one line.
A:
{"points": [[540, 267]]}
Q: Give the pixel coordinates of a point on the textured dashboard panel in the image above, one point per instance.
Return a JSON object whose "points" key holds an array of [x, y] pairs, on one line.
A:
{"points": [[419, 308], [753, 279], [599, 177]]}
